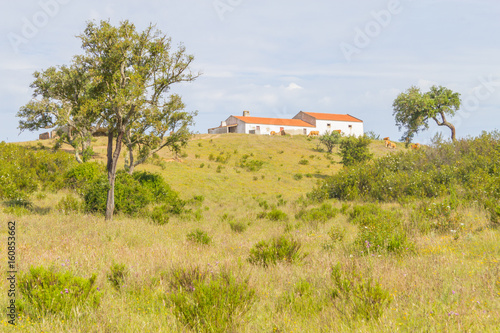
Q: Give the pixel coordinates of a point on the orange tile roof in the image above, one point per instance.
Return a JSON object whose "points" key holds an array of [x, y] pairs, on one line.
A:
{"points": [[334, 117], [274, 121]]}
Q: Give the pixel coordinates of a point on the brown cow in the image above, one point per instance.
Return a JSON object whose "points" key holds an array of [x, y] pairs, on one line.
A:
{"points": [[387, 143], [313, 133], [272, 133], [393, 145], [415, 146], [386, 139]]}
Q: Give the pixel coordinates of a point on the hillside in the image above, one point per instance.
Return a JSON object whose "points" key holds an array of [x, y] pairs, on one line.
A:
{"points": [[253, 254]]}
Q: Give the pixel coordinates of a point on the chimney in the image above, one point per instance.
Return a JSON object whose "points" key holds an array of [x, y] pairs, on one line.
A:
{"points": [[246, 113]]}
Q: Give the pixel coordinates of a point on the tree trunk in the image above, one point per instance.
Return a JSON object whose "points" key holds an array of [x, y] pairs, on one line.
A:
{"points": [[447, 124], [131, 161], [111, 166]]}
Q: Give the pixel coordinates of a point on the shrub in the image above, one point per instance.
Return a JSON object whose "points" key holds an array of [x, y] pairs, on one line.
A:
{"points": [[133, 193], [199, 236], [303, 299], [48, 292], [69, 204], [336, 233], [160, 214], [356, 296], [84, 174], [330, 139], [130, 195], [250, 165], [354, 150], [297, 176], [117, 275], [281, 248], [210, 302], [320, 214], [304, 162], [238, 226], [379, 230], [277, 215]]}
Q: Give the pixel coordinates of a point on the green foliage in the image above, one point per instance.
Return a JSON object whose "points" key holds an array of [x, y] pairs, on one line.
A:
{"points": [[210, 302], [354, 150], [277, 215], [69, 204], [330, 139], [380, 231], [357, 297], [199, 236], [468, 167], [117, 275], [413, 109], [250, 165], [133, 193], [304, 162], [223, 157], [48, 292], [372, 135], [238, 226], [84, 174], [303, 299], [336, 233], [23, 170], [320, 214], [277, 249], [297, 176]]}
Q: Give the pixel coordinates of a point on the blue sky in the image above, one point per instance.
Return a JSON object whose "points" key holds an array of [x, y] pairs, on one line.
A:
{"points": [[276, 58]]}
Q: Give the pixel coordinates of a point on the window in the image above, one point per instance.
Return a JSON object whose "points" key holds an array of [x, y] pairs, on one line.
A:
{"points": [[328, 125], [350, 126]]}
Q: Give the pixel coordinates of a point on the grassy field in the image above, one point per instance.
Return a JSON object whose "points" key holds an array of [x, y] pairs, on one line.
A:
{"points": [[446, 282]]}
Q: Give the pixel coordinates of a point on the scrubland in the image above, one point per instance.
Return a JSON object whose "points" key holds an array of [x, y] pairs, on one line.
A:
{"points": [[265, 234]]}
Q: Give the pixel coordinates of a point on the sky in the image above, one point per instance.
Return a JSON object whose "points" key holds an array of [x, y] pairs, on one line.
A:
{"points": [[277, 58]]}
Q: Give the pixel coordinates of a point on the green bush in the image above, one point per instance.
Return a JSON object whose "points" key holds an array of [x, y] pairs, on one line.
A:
{"points": [[133, 193], [379, 230], [210, 302], [303, 299], [304, 162], [45, 292], [469, 167], [117, 275], [278, 249], [23, 170], [250, 165], [297, 176], [277, 215], [238, 226], [160, 214], [321, 214], [199, 236], [357, 297], [354, 150], [84, 174], [69, 204], [130, 195]]}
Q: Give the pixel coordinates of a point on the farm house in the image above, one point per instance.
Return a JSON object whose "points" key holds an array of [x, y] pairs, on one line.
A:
{"points": [[303, 123]]}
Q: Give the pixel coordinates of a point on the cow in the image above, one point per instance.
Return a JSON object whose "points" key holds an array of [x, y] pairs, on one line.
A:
{"points": [[387, 143], [386, 139], [393, 145], [313, 133], [272, 133], [415, 146]]}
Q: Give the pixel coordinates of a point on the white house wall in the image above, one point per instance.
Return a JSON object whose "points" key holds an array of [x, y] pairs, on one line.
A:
{"points": [[267, 129], [356, 128]]}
